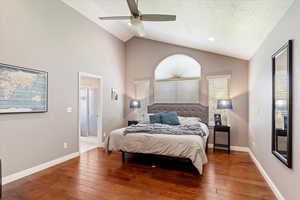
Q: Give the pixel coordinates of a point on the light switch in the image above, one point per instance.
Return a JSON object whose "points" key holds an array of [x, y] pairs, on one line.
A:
{"points": [[69, 109]]}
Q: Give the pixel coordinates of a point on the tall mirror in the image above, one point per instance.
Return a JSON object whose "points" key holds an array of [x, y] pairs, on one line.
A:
{"points": [[282, 104]]}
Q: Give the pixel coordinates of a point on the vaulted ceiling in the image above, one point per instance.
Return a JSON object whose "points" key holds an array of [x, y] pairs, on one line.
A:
{"points": [[229, 27]]}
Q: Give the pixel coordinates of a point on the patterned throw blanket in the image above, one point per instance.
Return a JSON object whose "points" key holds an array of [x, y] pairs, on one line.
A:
{"points": [[194, 129]]}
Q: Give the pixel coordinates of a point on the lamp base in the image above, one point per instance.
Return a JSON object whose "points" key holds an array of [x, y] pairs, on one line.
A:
{"points": [[225, 120]]}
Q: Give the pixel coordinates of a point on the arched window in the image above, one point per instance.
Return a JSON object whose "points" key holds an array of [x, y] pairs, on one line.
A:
{"points": [[177, 80], [178, 67]]}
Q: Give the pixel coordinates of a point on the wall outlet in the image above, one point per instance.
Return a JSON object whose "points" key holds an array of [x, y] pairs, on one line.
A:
{"points": [[69, 109], [65, 145]]}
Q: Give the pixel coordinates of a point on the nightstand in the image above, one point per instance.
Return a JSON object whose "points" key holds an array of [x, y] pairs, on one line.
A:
{"points": [[132, 122], [226, 129]]}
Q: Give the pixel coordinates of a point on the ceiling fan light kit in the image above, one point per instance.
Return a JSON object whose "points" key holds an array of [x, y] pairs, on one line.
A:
{"points": [[138, 26], [136, 18]]}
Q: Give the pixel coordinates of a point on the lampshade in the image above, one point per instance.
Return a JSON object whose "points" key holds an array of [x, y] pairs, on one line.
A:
{"points": [[135, 104], [223, 104]]}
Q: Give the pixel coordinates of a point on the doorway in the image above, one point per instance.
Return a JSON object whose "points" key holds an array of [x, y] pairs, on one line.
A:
{"points": [[90, 111]]}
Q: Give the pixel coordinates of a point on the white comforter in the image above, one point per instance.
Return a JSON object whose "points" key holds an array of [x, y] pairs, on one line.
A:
{"points": [[182, 146]]}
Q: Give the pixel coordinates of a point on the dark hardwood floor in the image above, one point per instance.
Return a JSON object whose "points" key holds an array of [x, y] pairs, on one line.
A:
{"points": [[96, 175]]}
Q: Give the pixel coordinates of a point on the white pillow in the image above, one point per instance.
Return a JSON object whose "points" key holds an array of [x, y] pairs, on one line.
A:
{"points": [[145, 118], [188, 120]]}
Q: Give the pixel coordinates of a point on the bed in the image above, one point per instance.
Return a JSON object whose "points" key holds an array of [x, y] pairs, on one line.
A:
{"points": [[192, 147]]}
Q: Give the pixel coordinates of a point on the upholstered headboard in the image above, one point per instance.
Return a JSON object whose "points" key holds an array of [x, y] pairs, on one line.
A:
{"points": [[182, 109]]}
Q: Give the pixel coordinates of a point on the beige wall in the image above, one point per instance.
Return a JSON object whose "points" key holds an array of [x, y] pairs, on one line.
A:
{"points": [[48, 35], [144, 55], [260, 106]]}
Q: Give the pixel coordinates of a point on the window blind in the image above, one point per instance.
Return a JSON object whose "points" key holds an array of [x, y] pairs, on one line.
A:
{"points": [[218, 88], [183, 91], [142, 92]]}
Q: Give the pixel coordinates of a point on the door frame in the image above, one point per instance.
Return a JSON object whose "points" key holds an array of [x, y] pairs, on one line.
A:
{"points": [[100, 107]]}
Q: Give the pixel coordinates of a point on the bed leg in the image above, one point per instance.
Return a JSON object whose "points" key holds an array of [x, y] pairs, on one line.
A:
{"points": [[206, 148], [123, 156]]}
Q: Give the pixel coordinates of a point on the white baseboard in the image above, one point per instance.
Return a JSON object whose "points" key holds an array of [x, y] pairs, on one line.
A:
{"points": [[90, 148], [234, 148], [38, 168], [273, 187], [101, 145]]}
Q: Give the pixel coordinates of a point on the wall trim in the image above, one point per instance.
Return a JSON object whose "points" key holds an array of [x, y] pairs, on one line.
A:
{"points": [[99, 105], [273, 187], [91, 148], [225, 76], [30, 171], [234, 148]]}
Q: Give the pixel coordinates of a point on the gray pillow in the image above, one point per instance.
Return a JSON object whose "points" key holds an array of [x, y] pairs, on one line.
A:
{"points": [[169, 118], [155, 118]]}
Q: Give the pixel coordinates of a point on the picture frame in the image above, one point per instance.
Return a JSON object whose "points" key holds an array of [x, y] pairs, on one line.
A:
{"points": [[282, 103], [23, 90], [218, 119], [114, 95]]}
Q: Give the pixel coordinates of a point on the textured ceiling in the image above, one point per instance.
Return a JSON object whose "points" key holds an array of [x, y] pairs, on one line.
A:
{"points": [[238, 26]]}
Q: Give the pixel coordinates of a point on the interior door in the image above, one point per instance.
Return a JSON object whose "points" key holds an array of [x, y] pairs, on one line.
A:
{"points": [[93, 112], [84, 129]]}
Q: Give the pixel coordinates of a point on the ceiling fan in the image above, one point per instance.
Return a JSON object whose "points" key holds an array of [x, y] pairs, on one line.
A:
{"points": [[137, 17]]}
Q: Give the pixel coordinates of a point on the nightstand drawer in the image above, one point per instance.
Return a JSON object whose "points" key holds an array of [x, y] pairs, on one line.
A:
{"points": [[222, 128]]}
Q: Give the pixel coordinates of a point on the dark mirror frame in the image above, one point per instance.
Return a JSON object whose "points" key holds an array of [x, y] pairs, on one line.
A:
{"points": [[287, 161]]}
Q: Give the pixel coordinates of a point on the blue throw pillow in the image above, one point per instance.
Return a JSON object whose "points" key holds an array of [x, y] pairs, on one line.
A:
{"points": [[169, 118], [155, 118]]}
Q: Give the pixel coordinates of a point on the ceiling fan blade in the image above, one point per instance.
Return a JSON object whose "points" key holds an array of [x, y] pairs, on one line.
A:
{"points": [[116, 18], [158, 18], [133, 8]]}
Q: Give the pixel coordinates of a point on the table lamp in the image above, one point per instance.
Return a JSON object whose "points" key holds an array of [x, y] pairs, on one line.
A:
{"points": [[225, 104]]}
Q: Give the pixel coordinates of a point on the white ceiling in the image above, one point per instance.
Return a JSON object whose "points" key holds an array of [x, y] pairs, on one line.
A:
{"points": [[238, 26]]}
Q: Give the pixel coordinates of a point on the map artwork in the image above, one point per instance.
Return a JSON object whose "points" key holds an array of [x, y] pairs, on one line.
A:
{"points": [[23, 90]]}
